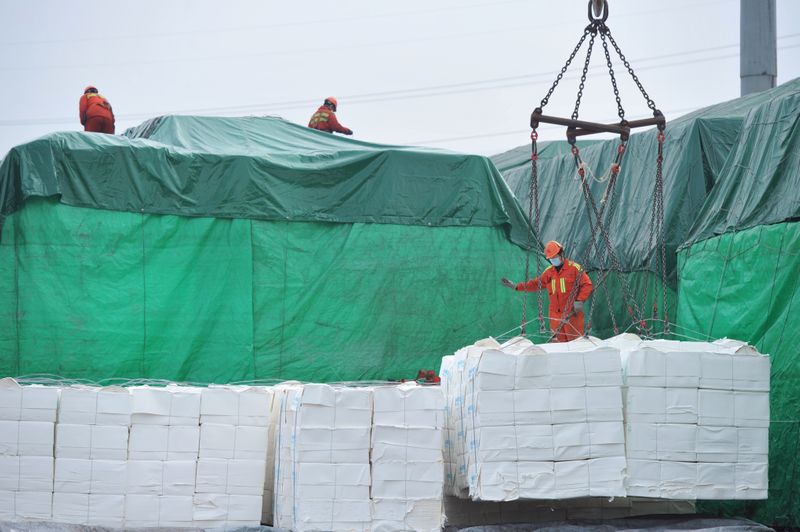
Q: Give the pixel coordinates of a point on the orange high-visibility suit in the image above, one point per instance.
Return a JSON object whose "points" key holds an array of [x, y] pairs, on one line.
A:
{"points": [[325, 120], [559, 283], [96, 113]]}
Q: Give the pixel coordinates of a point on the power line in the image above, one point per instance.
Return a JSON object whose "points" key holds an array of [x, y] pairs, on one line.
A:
{"points": [[273, 53], [355, 98], [263, 26], [422, 92]]}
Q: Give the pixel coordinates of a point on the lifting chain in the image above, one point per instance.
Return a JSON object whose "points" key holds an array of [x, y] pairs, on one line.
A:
{"points": [[583, 75], [533, 229], [662, 245], [610, 65], [650, 103], [596, 225], [600, 217], [546, 99]]}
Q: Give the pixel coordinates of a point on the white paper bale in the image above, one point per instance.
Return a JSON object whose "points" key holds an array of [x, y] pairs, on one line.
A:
{"points": [[171, 405], [236, 405]]}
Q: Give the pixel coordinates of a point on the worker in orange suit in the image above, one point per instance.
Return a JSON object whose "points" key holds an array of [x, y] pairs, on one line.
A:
{"points": [[95, 112], [325, 118], [568, 287]]}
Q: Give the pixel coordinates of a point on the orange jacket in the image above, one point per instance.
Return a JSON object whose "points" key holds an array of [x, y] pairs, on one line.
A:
{"points": [[92, 105], [559, 283], [325, 120]]}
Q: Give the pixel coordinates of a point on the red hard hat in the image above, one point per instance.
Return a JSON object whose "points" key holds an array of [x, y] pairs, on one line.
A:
{"points": [[551, 249], [90, 88], [332, 101]]}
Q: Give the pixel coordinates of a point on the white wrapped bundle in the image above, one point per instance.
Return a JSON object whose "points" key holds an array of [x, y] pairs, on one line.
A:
{"points": [[697, 418], [533, 421]]}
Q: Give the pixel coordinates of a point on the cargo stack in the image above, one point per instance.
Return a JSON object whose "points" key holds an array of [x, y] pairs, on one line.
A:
{"points": [[359, 459], [163, 451], [539, 422], [268, 496], [91, 450], [452, 375], [133, 457], [322, 472], [27, 428], [407, 461], [697, 419], [234, 432]]}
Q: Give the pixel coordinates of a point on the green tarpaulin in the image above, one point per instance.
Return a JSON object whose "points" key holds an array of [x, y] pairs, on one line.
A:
{"points": [[739, 270], [98, 294], [698, 148], [271, 271], [259, 168], [744, 285]]}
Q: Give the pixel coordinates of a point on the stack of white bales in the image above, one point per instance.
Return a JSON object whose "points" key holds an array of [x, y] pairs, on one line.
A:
{"points": [[133, 457], [452, 376], [27, 420], [535, 422], [268, 498], [234, 433], [359, 459], [697, 419], [163, 449], [91, 450], [322, 471], [406, 456]]}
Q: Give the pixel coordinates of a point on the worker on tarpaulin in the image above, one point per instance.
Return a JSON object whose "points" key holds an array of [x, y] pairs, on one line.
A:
{"points": [[325, 118], [568, 287], [95, 112]]}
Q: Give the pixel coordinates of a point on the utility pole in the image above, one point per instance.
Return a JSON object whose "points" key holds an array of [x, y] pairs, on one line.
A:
{"points": [[758, 55]]}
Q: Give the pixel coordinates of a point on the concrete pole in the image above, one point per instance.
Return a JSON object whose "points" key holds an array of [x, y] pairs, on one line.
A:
{"points": [[758, 56]]}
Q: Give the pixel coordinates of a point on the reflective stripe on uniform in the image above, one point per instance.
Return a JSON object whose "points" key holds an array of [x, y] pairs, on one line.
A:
{"points": [[319, 117], [563, 286], [553, 286]]}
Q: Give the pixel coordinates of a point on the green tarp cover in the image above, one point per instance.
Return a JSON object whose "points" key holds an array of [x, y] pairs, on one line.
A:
{"points": [[697, 147], [259, 168], [762, 177], [95, 294], [520, 157], [744, 285]]}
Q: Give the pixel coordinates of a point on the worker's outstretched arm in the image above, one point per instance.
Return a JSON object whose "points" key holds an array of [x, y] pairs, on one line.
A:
{"points": [[533, 285], [585, 289], [339, 128]]}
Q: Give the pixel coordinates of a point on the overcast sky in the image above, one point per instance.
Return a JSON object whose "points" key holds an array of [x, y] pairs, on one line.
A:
{"points": [[457, 74]]}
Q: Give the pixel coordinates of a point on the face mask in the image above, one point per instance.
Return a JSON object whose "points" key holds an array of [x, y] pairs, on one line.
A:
{"points": [[555, 261]]}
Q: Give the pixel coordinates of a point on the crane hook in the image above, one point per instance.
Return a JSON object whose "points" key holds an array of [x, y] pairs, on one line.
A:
{"points": [[598, 10]]}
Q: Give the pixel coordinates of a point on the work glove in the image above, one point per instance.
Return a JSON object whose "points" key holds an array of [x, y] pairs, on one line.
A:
{"points": [[508, 283], [578, 306], [348, 132]]}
